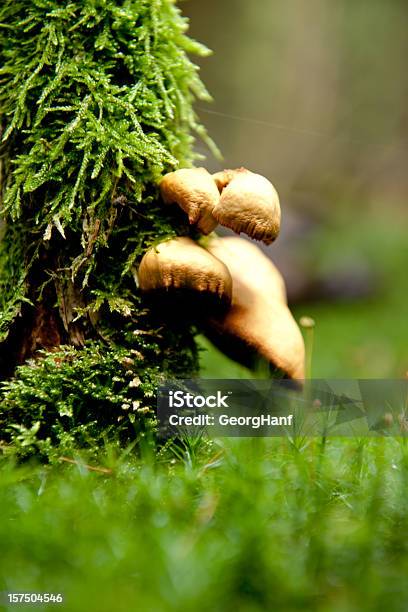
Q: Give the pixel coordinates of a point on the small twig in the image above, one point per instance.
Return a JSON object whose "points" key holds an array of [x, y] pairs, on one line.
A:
{"points": [[212, 462], [88, 467]]}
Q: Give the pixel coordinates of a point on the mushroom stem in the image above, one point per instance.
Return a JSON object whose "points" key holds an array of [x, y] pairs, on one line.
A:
{"points": [[259, 321]]}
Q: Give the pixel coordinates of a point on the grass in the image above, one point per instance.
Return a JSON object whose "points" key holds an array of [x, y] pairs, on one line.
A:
{"points": [[236, 524], [241, 524]]}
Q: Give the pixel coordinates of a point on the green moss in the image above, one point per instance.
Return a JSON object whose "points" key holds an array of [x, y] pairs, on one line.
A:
{"points": [[95, 105], [71, 398]]}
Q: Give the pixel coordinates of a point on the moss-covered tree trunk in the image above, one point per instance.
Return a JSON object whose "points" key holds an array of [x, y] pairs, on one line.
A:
{"points": [[95, 105]]}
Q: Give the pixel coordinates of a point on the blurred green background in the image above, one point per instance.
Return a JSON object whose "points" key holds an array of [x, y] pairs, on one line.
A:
{"points": [[314, 96]]}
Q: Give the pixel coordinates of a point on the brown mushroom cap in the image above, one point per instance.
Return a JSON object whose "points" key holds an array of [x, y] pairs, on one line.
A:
{"points": [[249, 203], [259, 318], [182, 264], [196, 192]]}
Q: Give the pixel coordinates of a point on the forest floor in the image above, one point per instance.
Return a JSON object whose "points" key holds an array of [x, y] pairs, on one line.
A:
{"points": [[244, 524]]}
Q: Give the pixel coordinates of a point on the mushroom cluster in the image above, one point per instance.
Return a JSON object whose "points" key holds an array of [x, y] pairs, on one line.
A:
{"points": [[239, 199], [240, 292]]}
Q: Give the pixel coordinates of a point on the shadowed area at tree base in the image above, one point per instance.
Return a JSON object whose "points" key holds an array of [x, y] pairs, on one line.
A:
{"points": [[175, 306]]}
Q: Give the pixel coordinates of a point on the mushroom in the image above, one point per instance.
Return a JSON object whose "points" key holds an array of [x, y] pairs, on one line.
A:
{"points": [[196, 192], [249, 203], [259, 320], [180, 268]]}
